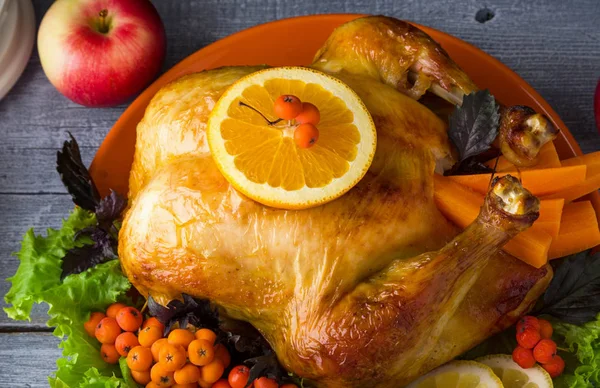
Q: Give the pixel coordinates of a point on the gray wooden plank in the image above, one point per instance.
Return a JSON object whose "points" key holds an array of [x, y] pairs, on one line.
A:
{"points": [[33, 170], [27, 359], [19, 213]]}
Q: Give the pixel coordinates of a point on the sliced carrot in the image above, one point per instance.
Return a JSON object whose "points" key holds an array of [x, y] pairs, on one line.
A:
{"points": [[547, 158], [503, 164], [591, 160], [455, 202], [572, 193], [461, 205], [539, 181], [592, 179], [550, 216], [530, 246], [578, 230], [458, 203]]}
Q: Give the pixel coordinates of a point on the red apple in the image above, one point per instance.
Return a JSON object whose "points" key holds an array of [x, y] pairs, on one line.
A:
{"points": [[101, 52]]}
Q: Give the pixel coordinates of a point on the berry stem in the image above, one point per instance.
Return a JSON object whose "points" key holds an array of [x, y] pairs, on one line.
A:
{"points": [[563, 349], [259, 112], [494, 172], [144, 306]]}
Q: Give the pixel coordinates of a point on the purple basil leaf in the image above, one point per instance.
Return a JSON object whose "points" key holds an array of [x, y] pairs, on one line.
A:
{"points": [[109, 209], [573, 295], [76, 177], [79, 259], [474, 124], [197, 312], [266, 365], [469, 167]]}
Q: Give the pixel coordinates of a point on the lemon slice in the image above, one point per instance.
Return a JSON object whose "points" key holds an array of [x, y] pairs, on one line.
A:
{"points": [[459, 374], [513, 376], [262, 161]]}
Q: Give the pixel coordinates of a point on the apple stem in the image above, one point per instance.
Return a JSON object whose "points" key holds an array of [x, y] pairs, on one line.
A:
{"points": [[103, 26]]}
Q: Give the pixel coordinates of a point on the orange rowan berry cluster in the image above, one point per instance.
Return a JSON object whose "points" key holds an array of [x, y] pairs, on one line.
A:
{"points": [[535, 345], [185, 358]]}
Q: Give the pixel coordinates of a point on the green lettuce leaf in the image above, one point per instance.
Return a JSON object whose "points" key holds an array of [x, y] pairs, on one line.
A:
{"points": [[81, 353], [93, 378], [582, 362], [40, 264], [70, 302], [126, 373], [93, 290]]}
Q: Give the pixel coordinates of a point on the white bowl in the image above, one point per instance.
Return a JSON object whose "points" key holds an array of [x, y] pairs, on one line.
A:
{"points": [[17, 34]]}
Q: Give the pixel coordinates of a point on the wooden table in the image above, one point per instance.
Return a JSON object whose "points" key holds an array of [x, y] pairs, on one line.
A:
{"points": [[554, 45]]}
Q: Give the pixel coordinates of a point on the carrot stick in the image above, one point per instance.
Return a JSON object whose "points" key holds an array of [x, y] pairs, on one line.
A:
{"points": [[592, 161], [458, 203], [530, 246], [547, 158], [550, 216], [592, 179], [539, 181], [461, 206], [454, 201], [551, 210], [578, 230], [572, 193], [451, 199]]}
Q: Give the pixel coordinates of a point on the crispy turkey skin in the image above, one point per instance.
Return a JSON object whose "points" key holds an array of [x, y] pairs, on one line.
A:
{"points": [[343, 292]]}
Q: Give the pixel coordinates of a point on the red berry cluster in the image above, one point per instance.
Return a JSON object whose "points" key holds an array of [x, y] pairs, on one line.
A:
{"points": [[306, 115], [535, 345]]}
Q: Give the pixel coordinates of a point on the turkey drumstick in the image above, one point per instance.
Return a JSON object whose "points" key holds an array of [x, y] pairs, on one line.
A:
{"points": [[407, 305]]}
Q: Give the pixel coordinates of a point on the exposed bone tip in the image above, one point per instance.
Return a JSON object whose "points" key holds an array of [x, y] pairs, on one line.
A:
{"points": [[523, 133], [540, 126], [512, 198]]}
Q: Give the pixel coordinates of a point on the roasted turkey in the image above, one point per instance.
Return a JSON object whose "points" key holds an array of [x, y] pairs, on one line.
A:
{"points": [[371, 290]]}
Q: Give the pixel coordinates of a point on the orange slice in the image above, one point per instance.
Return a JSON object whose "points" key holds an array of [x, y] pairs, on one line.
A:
{"points": [[262, 161]]}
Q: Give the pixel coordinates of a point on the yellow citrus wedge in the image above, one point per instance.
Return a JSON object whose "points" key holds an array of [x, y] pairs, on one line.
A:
{"points": [[459, 374], [262, 160], [513, 376]]}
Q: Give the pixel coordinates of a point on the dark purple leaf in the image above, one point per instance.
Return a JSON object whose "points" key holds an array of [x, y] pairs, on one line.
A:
{"points": [[80, 185], [76, 177], [474, 124], [79, 259], [469, 167], [243, 337], [573, 295], [266, 365], [197, 312], [109, 209]]}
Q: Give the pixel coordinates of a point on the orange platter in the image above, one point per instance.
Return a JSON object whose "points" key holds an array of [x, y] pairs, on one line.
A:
{"points": [[294, 41]]}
